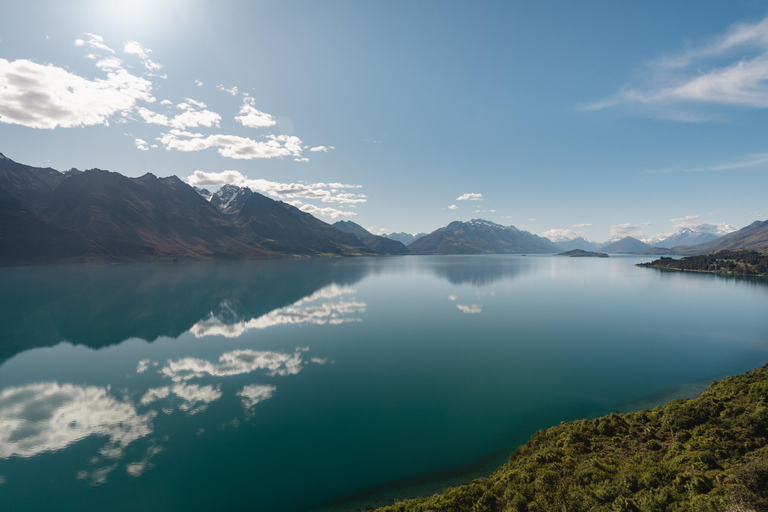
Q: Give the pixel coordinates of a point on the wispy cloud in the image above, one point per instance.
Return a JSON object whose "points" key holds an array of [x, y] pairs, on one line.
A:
{"points": [[729, 70], [135, 48], [559, 235], [231, 90], [627, 229], [470, 309], [94, 41], [470, 197], [746, 162]]}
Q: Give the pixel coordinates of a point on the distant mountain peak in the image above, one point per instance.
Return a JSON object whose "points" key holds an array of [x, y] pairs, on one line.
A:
{"points": [[230, 198], [3, 157], [204, 192], [480, 236]]}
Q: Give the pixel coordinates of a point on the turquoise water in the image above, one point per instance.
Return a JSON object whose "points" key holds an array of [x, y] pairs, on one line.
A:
{"points": [[335, 384]]}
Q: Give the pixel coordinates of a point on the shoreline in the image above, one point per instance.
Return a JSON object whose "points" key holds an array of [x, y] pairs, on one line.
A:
{"points": [[629, 446], [438, 482]]}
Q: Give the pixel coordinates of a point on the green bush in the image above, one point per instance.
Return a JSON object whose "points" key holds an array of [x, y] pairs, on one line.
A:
{"points": [[704, 454]]}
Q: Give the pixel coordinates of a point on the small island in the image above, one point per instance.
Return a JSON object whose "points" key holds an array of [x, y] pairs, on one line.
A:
{"points": [[741, 263], [579, 253]]}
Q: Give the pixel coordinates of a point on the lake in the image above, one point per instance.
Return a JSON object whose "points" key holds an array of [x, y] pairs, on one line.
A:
{"points": [[335, 384]]}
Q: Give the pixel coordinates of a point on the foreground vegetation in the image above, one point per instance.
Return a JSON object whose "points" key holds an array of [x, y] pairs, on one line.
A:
{"points": [[748, 263], [703, 454]]}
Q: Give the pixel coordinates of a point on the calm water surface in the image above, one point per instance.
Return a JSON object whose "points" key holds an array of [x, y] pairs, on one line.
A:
{"points": [[296, 385]]}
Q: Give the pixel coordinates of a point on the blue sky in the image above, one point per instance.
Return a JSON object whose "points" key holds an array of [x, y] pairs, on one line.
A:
{"points": [[598, 118]]}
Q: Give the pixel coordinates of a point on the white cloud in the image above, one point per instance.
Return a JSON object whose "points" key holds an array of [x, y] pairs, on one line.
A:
{"points": [[166, 103], [235, 362], [583, 225], [561, 235], [677, 86], [214, 179], [471, 309], [196, 397], [696, 223], [142, 366], [48, 97], [191, 117], [470, 197], [94, 41], [47, 417], [109, 64], [453, 207], [252, 117], [198, 83], [325, 192], [255, 393], [141, 144], [330, 305], [625, 230], [154, 394], [134, 48], [231, 90], [233, 146], [322, 211], [324, 149], [304, 159]]}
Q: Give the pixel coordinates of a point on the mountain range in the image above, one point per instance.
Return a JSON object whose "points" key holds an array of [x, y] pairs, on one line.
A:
{"points": [[579, 243], [627, 245], [754, 236], [47, 216], [480, 236], [405, 238], [687, 237]]}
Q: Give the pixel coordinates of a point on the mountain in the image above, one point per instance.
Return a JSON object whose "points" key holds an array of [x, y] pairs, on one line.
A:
{"points": [[146, 218], [96, 215], [754, 236], [575, 243], [31, 186], [404, 238], [687, 236], [283, 228], [627, 245], [204, 192], [480, 236], [231, 198], [378, 244]]}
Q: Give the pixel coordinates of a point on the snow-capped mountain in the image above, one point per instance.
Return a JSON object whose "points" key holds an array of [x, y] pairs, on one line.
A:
{"points": [[700, 234], [229, 198], [204, 192], [579, 242]]}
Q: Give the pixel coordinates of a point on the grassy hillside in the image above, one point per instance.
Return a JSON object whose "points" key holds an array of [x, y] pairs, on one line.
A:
{"points": [[747, 263], [704, 454]]}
